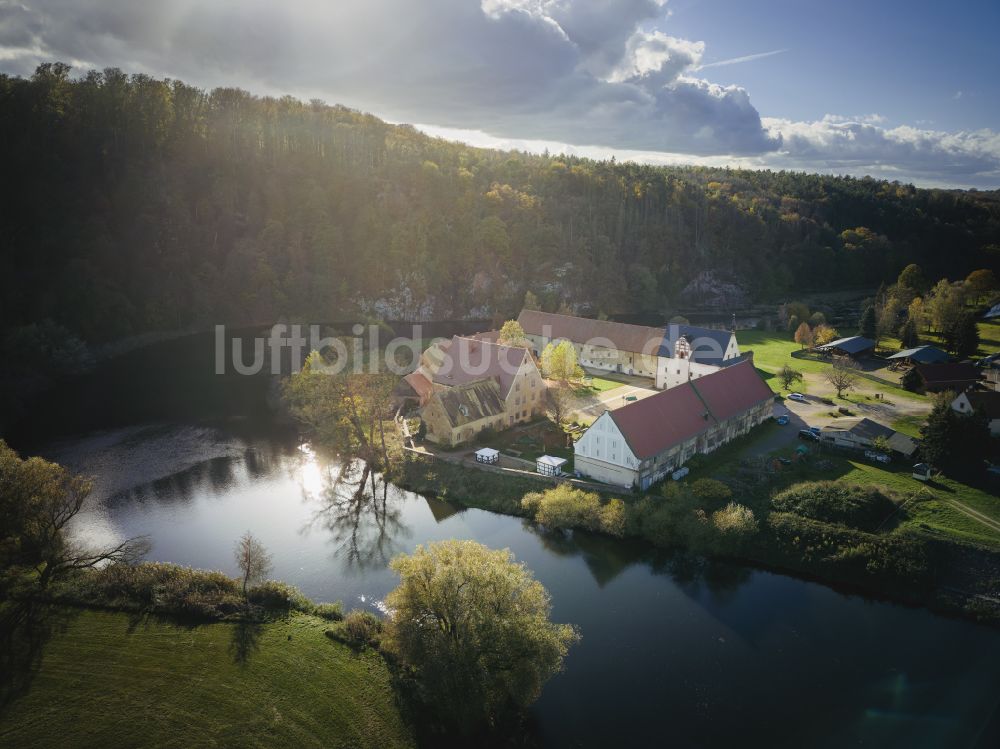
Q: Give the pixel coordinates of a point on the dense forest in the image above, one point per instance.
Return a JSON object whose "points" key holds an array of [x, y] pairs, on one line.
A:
{"points": [[135, 204]]}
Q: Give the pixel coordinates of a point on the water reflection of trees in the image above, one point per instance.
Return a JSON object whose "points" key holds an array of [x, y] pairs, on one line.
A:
{"points": [[361, 515], [606, 558]]}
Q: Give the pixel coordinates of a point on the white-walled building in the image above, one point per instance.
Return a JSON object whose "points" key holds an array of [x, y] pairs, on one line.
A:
{"points": [[985, 402], [641, 443], [670, 355]]}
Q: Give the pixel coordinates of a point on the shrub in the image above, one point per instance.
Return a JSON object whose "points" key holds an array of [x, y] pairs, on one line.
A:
{"points": [[564, 507], [735, 520], [162, 588], [863, 507], [333, 612], [711, 493], [278, 596], [613, 520], [362, 628]]}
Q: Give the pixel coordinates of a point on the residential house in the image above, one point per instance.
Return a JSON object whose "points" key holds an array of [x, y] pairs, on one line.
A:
{"points": [[468, 384], [669, 356], [938, 377], [860, 434], [985, 402], [643, 442]]}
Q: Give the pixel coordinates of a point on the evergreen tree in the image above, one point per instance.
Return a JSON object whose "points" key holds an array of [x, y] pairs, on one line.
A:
{"points": [[908, 335], [956, 443], [868, 325], [962, 336]]}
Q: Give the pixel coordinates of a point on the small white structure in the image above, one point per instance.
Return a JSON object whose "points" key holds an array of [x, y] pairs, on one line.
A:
{"points": [[487, 455], [922, 472], [549, 465]]}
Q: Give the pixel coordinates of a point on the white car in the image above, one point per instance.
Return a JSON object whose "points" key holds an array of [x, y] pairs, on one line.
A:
{"points": [[797, 397], [877, 456]]}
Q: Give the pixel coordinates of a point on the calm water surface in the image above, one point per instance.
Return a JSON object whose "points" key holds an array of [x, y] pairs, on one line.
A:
{"points": [[675, 651]]}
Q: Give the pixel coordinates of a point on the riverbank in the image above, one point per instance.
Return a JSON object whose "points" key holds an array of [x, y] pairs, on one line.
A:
{"points": [[114, 679], [942, 575]]}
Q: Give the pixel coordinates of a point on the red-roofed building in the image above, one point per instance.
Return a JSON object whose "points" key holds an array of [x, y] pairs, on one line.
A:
{"points": [[467, 384], [643, 442]]}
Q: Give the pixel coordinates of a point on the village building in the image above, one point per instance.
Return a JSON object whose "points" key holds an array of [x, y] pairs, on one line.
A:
{"points": [[643, 442], [919, 355], [669, 356], [465, 385], [983, 402], [860, 434], [855, 347], [935, 378]]}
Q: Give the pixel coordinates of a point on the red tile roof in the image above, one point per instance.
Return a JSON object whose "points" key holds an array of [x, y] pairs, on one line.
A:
{"points": [[732, 394], [469, 359], [657, 423], [420, 384]]}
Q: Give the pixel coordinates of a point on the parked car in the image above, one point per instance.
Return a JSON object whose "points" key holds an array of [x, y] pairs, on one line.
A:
{"points": [[877, 456], [844, 410], [797, 397], [808, 434], [814, 430], [782, 420]]}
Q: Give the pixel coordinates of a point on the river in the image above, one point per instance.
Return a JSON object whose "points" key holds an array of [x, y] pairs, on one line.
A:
{"points": [[675, 651]]}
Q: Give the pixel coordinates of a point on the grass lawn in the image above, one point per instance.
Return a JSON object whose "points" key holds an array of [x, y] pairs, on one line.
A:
{"points": [[773, 349], [109, 680], [600, 385]]}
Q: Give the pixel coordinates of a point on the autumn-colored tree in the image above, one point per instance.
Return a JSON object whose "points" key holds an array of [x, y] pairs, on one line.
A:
{"points": [[981, 283], [804, 335], [559, 362], [823, 334], [512, 334]]}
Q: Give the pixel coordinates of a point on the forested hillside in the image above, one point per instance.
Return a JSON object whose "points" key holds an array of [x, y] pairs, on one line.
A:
{"points": [[134, 204]]}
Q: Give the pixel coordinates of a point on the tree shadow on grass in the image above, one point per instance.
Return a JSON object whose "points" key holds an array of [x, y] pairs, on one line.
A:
{"points": [[245, 641], [25, 629]]}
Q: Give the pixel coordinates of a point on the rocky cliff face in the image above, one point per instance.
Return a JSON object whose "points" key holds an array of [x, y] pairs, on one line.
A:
{"points": [[712, 290]]}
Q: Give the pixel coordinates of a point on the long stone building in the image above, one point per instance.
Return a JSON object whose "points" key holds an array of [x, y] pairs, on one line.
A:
{"points": [[643, 442], [669, 356]]}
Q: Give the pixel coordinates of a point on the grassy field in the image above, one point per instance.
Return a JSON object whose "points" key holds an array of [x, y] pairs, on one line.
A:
{"points": [[109, 680], [773, 349], [935, 507]]}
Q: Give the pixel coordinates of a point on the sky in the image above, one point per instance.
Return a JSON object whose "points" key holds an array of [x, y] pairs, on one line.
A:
{"points": [[900, 90]]}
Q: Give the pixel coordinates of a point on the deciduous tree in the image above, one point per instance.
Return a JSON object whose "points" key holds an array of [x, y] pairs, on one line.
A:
{"points": [[804, 335], [788, 377], [473, 628], [843, 375], [252, 559]]}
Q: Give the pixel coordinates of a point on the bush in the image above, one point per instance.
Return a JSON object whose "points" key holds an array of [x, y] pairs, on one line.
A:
{"points": [[333, 612], [161, 588], [863, 507], [564, 507], [735, 521], [362, 628], [278, 596], [613, 518], [711, 493]]}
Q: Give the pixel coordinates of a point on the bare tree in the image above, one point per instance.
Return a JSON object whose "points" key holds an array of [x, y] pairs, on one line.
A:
{"points": [[843, 375], [252, 559]]}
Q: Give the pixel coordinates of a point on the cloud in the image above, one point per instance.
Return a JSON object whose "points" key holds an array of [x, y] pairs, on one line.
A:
{"points": [[586, 71], [601, 74]]}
